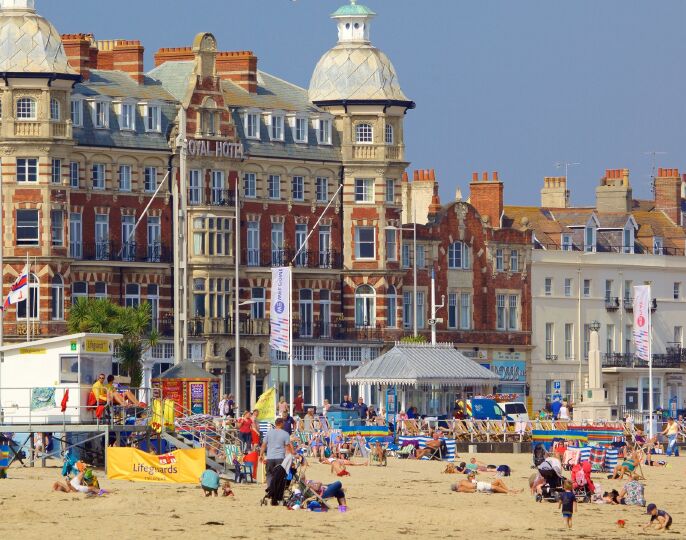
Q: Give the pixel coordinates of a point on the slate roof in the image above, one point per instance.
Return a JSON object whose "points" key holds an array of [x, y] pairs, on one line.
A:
{"points": [[421, 365]]}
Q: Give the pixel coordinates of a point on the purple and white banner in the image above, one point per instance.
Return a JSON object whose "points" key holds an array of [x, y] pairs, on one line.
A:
{"points": [[279, 312], [642, 321]]}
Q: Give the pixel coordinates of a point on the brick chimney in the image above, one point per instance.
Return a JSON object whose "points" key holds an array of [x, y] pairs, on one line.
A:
{"points": [[486, 196], [239, 67], [127, 56], [77, 48], [173, 54], [614, 192], [668, 193], [555, 193]]}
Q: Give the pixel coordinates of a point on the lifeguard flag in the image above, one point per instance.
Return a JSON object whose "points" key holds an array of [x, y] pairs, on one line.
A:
{"points": [[64, 400], [266, 405]]}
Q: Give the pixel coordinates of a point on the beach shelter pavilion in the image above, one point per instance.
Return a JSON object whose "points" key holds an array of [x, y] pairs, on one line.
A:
{"points": [[425, 376]]}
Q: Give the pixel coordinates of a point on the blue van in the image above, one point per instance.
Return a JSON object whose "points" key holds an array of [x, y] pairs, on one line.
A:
{"points": [[486, 409]]}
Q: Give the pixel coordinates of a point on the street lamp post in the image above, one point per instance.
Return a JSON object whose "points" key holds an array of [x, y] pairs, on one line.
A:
{"points": [[414, 267]]}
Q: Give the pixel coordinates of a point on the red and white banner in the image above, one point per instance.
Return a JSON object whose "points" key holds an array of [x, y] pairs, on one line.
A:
{"points": [[279, 316], [642, 299]]}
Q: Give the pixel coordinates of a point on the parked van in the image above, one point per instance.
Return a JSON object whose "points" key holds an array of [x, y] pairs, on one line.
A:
{"points": [[484, 409], [515, 411]]}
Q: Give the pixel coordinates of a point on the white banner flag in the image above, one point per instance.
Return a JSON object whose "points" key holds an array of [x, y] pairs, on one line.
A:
{"points": [[642, 299], [279, 312]]}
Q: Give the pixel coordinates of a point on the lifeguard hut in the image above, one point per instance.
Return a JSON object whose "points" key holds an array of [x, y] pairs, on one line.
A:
{"points": [[34, 377], [194, 390]]}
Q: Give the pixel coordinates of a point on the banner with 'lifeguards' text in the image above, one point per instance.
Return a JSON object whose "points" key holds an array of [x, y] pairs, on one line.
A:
{"points": [[180, 466]]}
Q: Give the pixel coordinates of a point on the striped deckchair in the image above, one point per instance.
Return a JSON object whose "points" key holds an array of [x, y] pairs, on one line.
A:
{"points": [[450, 444], [597, 458]]}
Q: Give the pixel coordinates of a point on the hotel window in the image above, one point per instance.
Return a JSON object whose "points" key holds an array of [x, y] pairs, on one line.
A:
{"points": [[54, 110], [153, 298], [250, 185], [278, 254], [567, 244], [548, 286], [388, 134], [127, 118], [500, 323], [101, 114], [420, 310], [194, 187], [27, 227], [322, 189], [153, 118], [569, 341], [56, 171], [499, 259], [252, 125], [407, 310], [102, 237], [306, 312], [628, 338], [391, 244], [406, 255], [26, 109], [610, 342], [452, 310], [324, 131], [679, 336], [98, 176], [298, 188], [57, 298], [568, 286], [300, 129], [364, 133], [458, 255], [608, 290], [587, 288], [132, 296], [79, 289], [74, 174], [274, 186], [76, 112], [587, 340], [465, 311], [150, 179], [391, 307], [513, 312], [27, 169], [628, 289], [390, 190], [253, 243], [365, 243], [514, 260], [677, 290], [364, 190], [300, 235], [365, 306], [549, 340], [75, 236], [57, 227], [217, 188], [325, 255], [276, 132], [154, 230], [218, 297], [257, 308], [421, 258], [125, 178]]}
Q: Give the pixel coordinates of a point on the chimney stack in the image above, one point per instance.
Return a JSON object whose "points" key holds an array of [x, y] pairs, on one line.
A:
{"points": [[614, 192], [127, 56], [77, 48], [487, 197], [239, 67], [668, 193], [555, 193]]}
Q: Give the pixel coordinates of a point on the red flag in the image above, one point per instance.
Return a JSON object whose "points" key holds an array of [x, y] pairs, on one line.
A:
{"points": [[65, 399]]}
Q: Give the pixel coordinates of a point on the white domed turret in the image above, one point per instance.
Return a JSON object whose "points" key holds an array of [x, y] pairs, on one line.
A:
{"points": [[354, 69], [28, 42]]}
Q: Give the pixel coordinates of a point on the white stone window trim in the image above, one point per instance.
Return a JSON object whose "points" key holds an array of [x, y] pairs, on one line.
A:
{"points": [[276, 119], [327, 140], [55, 110], [293, 123], [154, 126], [106, 103], [246, 113], [76, 101], [120, 107], [363, 133]]}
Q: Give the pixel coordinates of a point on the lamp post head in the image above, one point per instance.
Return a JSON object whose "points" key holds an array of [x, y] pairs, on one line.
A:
{"points": [[595, 326]]}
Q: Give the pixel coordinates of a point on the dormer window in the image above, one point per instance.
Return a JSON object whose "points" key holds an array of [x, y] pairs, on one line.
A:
{"points": [[153, 118], [299, 127], [54, 109], [26, 109], [628, 239], [127, 116], [566, 242], [323, 131], [388, 134], [658, 246], [76, 112], [364, 133], [101, 114], [276, 127], [590, 236], [251, 124]]}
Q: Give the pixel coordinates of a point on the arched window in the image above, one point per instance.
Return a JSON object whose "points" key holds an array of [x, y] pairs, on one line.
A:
{"points": [[26, 109], [34, 300], [458, 255], [54, 109], [364, 133], [391, 307], [306, 312], [57, 298], [365, 306], [388, 134]]}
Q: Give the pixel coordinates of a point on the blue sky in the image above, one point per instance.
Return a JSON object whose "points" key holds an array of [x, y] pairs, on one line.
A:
{"points": [[507, 85]]}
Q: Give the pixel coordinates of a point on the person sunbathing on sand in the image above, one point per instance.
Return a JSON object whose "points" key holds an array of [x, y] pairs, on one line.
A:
{"points": [[84, 482], [471, 485], [338, 465]]}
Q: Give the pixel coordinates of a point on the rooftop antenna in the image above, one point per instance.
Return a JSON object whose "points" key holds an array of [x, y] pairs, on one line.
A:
{"points": [[566, 165], [653, 154]]}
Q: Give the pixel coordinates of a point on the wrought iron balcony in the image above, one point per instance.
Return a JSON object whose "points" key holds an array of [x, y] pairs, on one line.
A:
{"points": [[628, 304], [254, 257], [207, 326], [670, 359], [611, 303], [551, 357], [126, 252]]}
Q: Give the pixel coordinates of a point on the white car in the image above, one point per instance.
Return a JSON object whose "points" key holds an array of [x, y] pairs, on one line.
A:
{"points": [[515, 411]]}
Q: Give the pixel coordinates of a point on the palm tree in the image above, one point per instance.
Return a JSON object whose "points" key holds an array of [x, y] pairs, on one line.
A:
{"points": [[99, 315]]}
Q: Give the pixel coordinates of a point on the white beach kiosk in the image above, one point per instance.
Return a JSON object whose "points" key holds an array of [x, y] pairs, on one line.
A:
{"points": [[35, 375]]}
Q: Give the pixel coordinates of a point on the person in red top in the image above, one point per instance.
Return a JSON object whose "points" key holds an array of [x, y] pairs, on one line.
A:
{"points": [[245, 431], [299, 404]]}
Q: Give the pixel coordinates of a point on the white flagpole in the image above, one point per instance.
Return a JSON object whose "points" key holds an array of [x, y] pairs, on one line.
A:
{"points": [[28, 297], [2, 268], [650, 361]]}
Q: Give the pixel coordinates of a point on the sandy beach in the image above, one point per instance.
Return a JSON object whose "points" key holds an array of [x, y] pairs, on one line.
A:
{"points": [[407, 498]]}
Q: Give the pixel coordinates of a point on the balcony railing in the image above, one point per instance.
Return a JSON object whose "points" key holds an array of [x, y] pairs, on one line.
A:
{"points": [[200, 196], [224, 326], [339, 330], [628, 303], [283, 257], [611, 303], [636, 249], [126, 252], [670, 359]]}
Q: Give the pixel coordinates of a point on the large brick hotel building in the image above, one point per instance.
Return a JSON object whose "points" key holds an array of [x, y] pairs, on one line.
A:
{"points": [[87, 136]]}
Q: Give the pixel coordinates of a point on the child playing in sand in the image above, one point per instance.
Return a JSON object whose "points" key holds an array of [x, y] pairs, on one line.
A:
{"points": [[663, 519], [226, 489], [567, 503], [209, 481]]}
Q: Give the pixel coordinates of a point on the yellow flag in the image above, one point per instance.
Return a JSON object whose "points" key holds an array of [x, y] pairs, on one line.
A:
{"points": [[266, 405]]}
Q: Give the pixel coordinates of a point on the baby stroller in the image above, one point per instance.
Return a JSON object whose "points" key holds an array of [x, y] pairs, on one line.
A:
{"points": [[539, 455], [551, 471], [284, 476], [581, 482]]}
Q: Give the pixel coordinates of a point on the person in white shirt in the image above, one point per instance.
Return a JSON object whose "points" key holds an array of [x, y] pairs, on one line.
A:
{"points": [[564, 411]]}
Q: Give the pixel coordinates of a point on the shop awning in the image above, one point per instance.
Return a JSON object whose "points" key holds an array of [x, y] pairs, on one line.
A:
{"points": [[422, 365]]}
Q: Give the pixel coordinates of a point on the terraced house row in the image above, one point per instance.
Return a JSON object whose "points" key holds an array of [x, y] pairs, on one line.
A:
{"points": [[98, 155]]}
